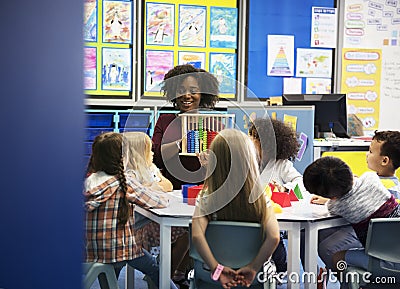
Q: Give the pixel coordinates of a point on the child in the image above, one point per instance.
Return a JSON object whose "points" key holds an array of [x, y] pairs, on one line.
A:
{"points": [[139, 157], [356, 199], [383, 157], [233, 192], [109, 199], [277, 146], [139, 163]]}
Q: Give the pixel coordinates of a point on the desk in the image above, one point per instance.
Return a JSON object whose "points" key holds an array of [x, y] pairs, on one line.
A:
{"points": [[301, 215], [321, 146]]}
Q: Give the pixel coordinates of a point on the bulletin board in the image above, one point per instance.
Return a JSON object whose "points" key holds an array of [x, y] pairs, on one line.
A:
{"points": [[108, 31], [270, 17], [200, 32], [301, 117], [371, 62]]}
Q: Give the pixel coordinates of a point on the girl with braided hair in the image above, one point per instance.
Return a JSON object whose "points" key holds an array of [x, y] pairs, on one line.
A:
{"points": [[110, 196]]}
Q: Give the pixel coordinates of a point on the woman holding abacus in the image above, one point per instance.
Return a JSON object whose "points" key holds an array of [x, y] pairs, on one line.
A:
{"points": [[188, 89]]}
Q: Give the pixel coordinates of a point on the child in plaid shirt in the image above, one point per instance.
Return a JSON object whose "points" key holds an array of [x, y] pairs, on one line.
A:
{"points": [[110, 196]]}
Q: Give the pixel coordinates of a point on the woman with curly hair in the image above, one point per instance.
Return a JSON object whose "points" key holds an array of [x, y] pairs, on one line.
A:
{"points": [[188, 89]]}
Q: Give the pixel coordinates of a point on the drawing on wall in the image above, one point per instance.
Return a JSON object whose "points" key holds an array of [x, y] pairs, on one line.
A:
{"points": [[116, 69], [117, 22], [89, 68], [318, 85], [160, 24], [323, 27], [192, 26], [158, 63], [90, 20], [197, 59], [223, 66], [223, 27], [280, 59], [314, 63]]}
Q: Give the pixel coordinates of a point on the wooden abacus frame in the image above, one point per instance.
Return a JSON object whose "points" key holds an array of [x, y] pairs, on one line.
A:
{"points": [[202, 123]]}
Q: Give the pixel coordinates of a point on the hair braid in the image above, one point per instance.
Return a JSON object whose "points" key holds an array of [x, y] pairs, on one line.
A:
{"points": [[123, 211]]}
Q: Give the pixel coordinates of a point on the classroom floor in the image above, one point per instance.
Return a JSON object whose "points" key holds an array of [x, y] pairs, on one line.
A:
{"points": [[141, 284]]}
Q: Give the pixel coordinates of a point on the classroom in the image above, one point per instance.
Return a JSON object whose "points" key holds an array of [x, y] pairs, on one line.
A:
{"points": [[328, 70]]}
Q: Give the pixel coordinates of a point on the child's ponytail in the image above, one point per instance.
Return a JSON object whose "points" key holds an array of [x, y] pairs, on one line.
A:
{"points": [[123, 211]]}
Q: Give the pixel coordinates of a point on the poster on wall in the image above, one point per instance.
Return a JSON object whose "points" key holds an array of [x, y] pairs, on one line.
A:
{"points": [[280, 58], [361, 76], [90, 20], [160, 26], [117, 22], [157, 64], [323, 27], [192, 26], [197, 59], [89, 67], [318, 85], [371, 24], [314, 63], [223, 66], [116, 69], [223, 27]]}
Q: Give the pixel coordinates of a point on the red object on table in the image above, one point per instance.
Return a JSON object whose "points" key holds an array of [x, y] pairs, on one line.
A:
{"points": [[281, 199], [192, 194]]}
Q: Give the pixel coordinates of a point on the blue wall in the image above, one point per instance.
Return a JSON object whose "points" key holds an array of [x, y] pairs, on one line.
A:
{"points": [[41, 144], [282, 17]]}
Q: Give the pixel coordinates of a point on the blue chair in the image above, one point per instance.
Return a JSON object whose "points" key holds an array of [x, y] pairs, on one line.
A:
{"points": [[233, 244], [382, 246], [93, 270]]}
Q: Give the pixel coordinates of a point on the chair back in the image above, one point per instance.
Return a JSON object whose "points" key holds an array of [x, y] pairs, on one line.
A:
{"points": [[383, 245], [233, 244]]}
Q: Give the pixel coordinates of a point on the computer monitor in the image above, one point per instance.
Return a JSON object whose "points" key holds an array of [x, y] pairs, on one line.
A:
{"points": [[330, 113]]}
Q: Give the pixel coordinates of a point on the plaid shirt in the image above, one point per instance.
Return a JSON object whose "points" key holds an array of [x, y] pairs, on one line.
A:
{"points": [[105, 241]]}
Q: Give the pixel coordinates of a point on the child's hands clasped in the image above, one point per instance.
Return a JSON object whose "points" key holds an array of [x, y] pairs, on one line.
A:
{"points": [[231, 278], [315, 199]]}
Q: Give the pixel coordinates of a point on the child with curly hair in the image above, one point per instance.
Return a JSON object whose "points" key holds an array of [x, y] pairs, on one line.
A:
{"points": [[277, 145]]}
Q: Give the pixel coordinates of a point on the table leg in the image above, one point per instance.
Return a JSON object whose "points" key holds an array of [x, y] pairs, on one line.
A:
{"points": [[293, 264], [311, 256], [129, 277], [165, 256]]}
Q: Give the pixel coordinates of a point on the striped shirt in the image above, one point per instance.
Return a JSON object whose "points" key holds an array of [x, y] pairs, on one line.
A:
{"points": [[105, 241]]}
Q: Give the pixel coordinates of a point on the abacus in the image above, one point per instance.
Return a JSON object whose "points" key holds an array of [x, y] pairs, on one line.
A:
{"points": [[199, 130]]}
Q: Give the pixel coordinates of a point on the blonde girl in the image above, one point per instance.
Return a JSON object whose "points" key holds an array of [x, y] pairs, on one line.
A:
{"points": [[233, 192], [139, 161]]}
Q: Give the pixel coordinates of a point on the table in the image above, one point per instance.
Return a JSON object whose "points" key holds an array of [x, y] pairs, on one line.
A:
{"points": [[302, 215]]}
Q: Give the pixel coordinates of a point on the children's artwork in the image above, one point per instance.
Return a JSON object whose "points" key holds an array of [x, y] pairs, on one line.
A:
{"points": [[158, 63], [280, 60], [192, 26], [318, 85], [197, 59], [160, 24], [116, 68], [223, 66], [89, 70], [223, 27], [314, 63], [90, 20], [117, 21]]}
